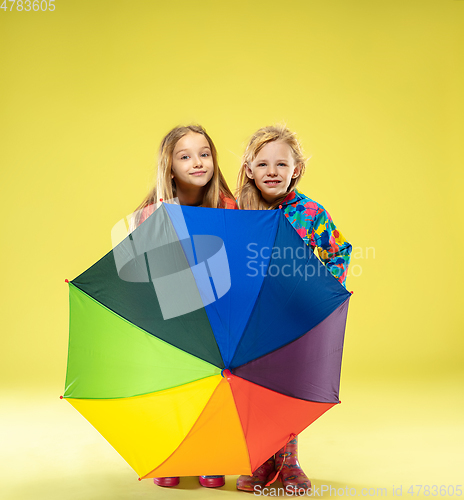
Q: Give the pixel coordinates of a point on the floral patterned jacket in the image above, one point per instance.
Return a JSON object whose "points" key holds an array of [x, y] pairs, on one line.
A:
{"points": [[314, 224]]}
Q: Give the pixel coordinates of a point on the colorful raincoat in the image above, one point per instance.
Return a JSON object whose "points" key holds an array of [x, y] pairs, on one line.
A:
{"points": [[314, 224]]}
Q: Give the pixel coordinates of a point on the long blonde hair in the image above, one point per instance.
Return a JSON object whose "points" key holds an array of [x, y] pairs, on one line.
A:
{"points": [[165, 187], [248, 195]]}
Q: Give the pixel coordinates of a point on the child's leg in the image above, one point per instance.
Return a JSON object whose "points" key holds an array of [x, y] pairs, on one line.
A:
{"points": [[259, 478], [291, 474]]}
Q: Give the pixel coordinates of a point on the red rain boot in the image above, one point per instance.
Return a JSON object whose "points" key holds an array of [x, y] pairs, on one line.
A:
{"points": [[212, 481], [167, 482], [291, 475], [259, 478]]}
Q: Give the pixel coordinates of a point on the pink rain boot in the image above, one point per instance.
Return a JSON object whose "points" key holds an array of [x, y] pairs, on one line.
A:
{"points": [[212, 481], [167, 482], [259, 478], [291, 474]]}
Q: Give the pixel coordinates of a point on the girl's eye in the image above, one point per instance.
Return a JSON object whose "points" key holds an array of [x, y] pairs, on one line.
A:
{"points": [[261, 164], [183, 157], [205, 154], [283, 164]]}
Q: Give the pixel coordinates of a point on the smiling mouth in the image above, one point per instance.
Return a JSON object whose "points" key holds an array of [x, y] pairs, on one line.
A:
{"points": [[198, 173], [271, 183]]}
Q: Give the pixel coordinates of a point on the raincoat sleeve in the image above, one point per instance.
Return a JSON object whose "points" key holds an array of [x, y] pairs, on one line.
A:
{"points": [[333, 250]]}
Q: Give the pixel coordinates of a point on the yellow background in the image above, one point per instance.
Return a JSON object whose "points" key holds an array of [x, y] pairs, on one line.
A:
{"points": [[374, 90]]}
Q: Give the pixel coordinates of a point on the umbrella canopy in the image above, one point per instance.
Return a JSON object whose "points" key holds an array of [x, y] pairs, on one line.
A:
{"points": [[204, 340]]}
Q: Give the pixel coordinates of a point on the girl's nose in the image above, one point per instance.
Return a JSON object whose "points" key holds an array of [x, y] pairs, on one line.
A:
{"points": [[271, 170]]}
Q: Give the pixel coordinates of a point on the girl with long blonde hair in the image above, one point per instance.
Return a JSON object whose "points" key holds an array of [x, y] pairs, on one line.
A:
{"points": [[188, 171]]}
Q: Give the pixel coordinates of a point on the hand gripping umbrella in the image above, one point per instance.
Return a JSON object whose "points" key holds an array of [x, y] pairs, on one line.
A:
{"points": [[204, 340]]}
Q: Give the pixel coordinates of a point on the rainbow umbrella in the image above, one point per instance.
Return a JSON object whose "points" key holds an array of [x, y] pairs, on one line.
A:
{"points": [[204, 340]]}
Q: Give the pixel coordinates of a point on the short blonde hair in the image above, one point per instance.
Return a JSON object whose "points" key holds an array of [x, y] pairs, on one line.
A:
{"points": [[248, 195]]}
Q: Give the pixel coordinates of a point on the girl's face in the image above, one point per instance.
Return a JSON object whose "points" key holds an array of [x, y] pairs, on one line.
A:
{"points": [[273, 169], [192, 163]]}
